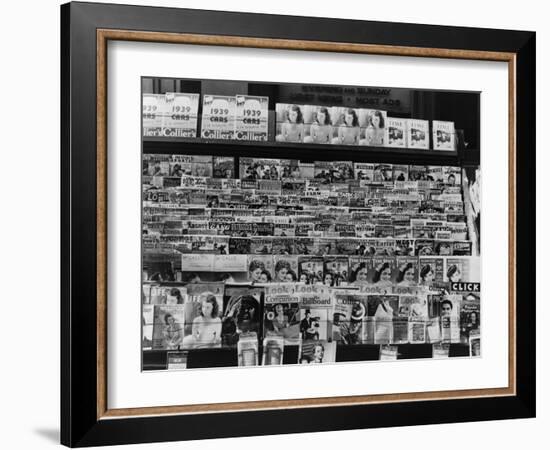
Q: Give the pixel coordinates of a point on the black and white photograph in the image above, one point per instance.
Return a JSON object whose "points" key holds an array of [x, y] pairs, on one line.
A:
{"points": [[244, 252]]}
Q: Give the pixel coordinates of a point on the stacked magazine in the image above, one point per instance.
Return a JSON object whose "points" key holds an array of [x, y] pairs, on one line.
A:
{"points": [[288, 261]]}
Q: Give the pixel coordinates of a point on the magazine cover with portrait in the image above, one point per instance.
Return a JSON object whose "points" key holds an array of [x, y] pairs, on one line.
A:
{"points": [[373, 127], [347, 130], [241, 313], [282, 311], [290, 126], [317, 352], [318, 124]]}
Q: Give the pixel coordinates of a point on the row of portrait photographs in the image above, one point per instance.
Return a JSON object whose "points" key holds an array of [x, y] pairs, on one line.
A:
{"points": [[359, 126], [239, 117], [214, 315], [255, 169], [331, 271]]}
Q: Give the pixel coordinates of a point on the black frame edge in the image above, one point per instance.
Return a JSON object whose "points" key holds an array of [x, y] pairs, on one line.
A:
{"points": [[525, 223], [65, 368]]}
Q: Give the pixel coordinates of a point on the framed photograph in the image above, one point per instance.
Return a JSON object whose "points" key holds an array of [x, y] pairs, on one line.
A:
{"points": [[267, 221]]}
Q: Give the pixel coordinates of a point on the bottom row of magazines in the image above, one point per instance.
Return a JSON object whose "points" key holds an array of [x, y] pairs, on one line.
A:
{"points": [[274, 352]]}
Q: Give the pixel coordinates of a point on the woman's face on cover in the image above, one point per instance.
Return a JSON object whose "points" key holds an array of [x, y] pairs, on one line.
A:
{"points": [[362, 274], [318, 353], [349, 119], [279, 309], [385, 275], [408, 276], [446, 310], [444, 250], [375, 121], [248, 312], [455, 277], [281, 274], [256, 274], [288, 277], [171, 320], [206, 308], [429, 277], [303, 278], [263, 278], [328, 278], [292, 116], [321, 117]]}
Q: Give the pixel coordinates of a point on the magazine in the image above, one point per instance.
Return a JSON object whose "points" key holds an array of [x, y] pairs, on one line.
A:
{"points": [[285, 268], [449, 308], [435, 173], [316, 305], [400, 172], [273, 350], [247, 349], [406, 271], [251, 118], [470, 318], [345, 122], [147, 322], [462, 269], [336, 270], [218, 117], [431, 270], [317, 352], [241, 312], [475, 343], [168, 327], [381, 271], [202, 315], [383, 308], [440, 351], [289, 120], [388, 352], [176, 360], [418, 133], [153, 106], [349, 317], [383, 172], [318, 128], [260, 268], [223, 167], [396, 132], [452, 175], [181, 112], [373, 127], [310, 269], [363, 171], [282, 311], [443, 135], [417, 173]]}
